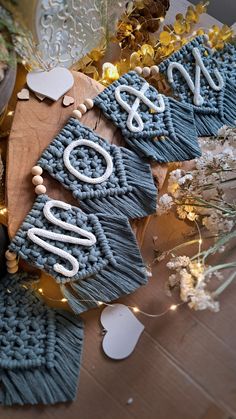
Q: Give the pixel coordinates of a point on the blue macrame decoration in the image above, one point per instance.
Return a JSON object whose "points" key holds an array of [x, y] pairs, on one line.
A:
{"points": [[206, 85], [92, 257], [153, 125], [40, 348], [72, 159], [226, 60]]}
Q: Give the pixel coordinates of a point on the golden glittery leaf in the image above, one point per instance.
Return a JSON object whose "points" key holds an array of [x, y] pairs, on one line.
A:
{"points": [[147, 49], [179, 27], [226, 32], [135, 59], [165, 38], [179, 17], [191, 15], [201, 7], [200, 31]]}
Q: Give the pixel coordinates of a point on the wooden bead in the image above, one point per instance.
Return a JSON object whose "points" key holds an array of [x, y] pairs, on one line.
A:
{"points": [[146, 71], [82, 108], [12, 270], [37, 180], [10, 255], [154, 70], [138, 70], [12, 263], [37, 170], [40, 189], [77, 114], [89, 103]]}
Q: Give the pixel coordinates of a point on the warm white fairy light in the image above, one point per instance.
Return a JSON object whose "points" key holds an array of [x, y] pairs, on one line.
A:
{"points": [[3, 211], [135, 309]]}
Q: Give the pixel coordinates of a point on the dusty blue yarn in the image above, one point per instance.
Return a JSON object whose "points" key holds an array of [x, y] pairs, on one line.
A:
{"points": [[167, 136], [226, 60], [40, 348], [130, 189], [110, 268], [219, 107]]}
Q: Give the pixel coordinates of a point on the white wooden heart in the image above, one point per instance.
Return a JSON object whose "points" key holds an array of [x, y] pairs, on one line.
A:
{"points": [[52, 84], [123, 330]]}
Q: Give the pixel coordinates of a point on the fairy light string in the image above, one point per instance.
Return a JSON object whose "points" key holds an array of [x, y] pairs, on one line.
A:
{"points": [[135, 309]]}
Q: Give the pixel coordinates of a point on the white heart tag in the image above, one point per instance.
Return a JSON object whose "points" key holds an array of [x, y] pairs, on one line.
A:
{"points": [[123, 330], [52, 84]]}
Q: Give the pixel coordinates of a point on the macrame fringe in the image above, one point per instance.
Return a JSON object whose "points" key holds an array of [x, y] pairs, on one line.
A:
{"points": [[48, 385], [210, 124], [139, 202], [120, 278], [229, 104], [179, 142]]}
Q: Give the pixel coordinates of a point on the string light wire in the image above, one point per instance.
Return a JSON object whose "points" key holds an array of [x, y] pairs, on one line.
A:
{"points": [[135, 309]]}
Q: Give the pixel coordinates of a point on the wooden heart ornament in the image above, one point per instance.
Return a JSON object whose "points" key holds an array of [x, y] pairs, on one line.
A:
{"points": [[52, 84], [123, 330]]}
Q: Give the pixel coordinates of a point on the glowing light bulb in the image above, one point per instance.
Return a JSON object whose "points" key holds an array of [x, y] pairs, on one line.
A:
{"points": [[135, 309], [64, 300], [173, 307], [99, 303], [40, 290]]}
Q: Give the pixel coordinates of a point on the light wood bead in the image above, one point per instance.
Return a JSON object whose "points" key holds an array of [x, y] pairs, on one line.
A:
{"points": [[10, 255], [82, 108], [40, 189], [154, 70], [37, 170], [12, 263], [89, 103], [37, 180], [138, 70], [77, 114], [12, 270], [146, 71]]}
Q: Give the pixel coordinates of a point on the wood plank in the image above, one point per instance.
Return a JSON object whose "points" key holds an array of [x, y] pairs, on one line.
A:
{"points": [[35, 125]]}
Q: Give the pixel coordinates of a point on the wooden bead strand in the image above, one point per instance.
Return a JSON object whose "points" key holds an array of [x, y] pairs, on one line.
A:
{"points": [[37, 180], [12, 262], [207, 41], [147, 71], [83, 108]]}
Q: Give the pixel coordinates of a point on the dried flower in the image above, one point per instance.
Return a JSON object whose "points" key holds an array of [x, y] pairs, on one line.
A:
{"points": [[200, 196]]}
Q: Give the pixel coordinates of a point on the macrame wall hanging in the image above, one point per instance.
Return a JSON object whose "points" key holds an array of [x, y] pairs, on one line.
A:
{"points": [[102, 177], [152, 124], [226, 58], [199, 78], [40, 348], [92, 252], [92, 257]]}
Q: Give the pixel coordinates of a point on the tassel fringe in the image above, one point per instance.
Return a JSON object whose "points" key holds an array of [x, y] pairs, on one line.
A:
{"points": [[55, 380], [179, 142], [139, 202], [120, 277], [209, 124]]}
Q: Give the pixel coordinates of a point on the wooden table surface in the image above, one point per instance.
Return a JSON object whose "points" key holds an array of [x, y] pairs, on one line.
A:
{"points": [[184, 366]]}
